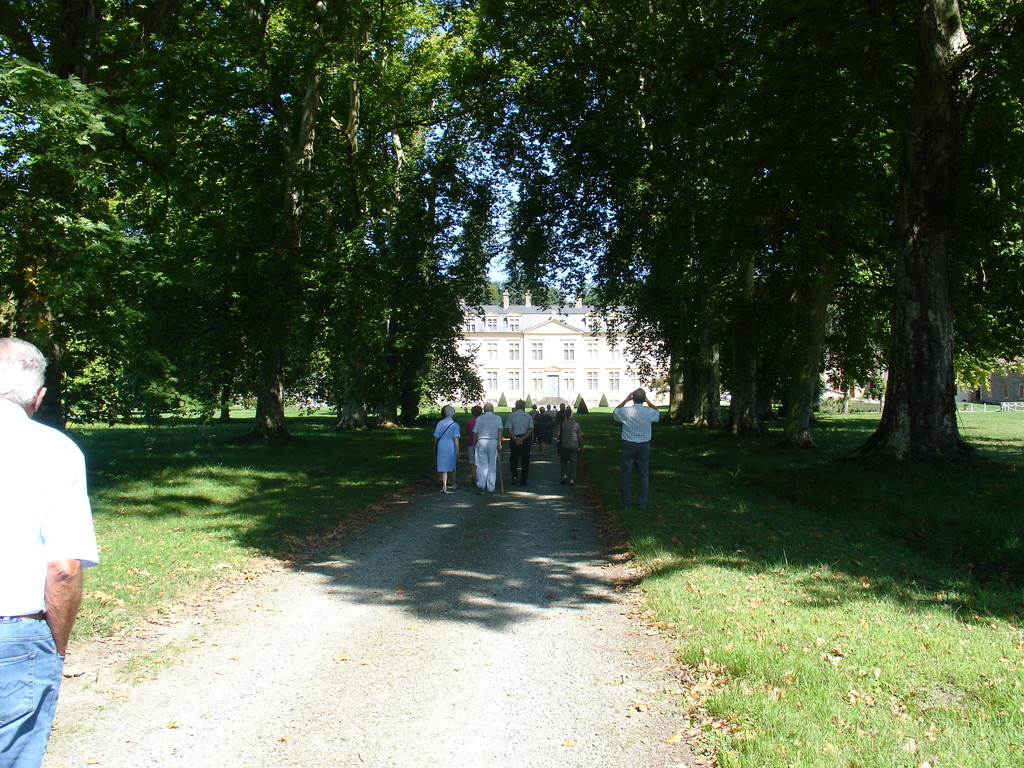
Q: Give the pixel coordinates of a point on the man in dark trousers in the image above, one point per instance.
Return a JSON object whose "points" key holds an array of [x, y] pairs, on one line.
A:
{"points": [[519, 426], [636, 445]]}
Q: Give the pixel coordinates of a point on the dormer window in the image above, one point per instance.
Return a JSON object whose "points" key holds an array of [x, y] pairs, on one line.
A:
{"points": [[513, 324], [492, 324]]}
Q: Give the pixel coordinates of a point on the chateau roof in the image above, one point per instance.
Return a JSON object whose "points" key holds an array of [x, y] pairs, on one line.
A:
{"points": [[531, 316]]}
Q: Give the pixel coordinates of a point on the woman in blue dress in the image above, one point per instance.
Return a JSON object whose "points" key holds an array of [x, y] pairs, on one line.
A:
{"points": [[446, 448]]}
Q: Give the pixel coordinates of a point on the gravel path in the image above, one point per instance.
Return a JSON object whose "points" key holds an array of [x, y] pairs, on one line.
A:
{"points": [[456, 631]]}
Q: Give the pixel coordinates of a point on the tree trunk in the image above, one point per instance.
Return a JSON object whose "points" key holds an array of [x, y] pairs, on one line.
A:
{"points": [[811, 314], [351, 413], [225, 403], [691, 388], [269, 425], [744, 412], [676, 392], [410, 406], [51, 412], [297, 134], [919, 416], [709, 409], [388, 415]]}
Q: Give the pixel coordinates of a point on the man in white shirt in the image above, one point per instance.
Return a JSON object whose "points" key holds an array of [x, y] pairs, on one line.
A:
{"points": [[46, 538], [519, 425], [636, 445], [488, 446]]}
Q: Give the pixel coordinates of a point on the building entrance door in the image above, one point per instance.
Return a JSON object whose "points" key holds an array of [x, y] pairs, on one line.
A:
{"points": [[553, 385]]}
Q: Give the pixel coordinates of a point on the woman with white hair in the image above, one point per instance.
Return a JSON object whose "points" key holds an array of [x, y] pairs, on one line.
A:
{"points": [[446, 448]]}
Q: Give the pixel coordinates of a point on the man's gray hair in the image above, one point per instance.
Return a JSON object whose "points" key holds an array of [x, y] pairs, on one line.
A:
{"points": [[488, 407], [448, 411], [22, 371]]}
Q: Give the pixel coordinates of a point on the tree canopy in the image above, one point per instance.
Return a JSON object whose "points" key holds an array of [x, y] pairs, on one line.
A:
{"points": [[216, 203]]}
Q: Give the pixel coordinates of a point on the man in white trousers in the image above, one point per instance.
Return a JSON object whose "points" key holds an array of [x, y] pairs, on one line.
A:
{"points": [[488, 445]]}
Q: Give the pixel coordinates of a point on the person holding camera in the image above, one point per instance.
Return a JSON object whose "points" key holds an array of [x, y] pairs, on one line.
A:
{"points": [[636, 445]]}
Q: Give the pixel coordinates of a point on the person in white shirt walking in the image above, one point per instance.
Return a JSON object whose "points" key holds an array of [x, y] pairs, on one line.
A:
{"points": [[519, 426], [636, 446], [488, 446]]}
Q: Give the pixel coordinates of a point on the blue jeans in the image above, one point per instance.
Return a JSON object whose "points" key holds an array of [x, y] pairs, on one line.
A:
{"points": [[30, 675], [635, 457]]}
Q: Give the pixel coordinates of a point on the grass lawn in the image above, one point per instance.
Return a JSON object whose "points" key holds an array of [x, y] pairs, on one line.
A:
{"points": [[840, 614], [179, 508]]}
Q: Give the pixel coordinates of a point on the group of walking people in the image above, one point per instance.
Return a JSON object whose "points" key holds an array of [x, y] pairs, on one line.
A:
{"points": [[486, 432]]}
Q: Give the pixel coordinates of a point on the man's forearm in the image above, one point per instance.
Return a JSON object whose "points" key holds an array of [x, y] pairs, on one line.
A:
{"points": [[63, 594]]}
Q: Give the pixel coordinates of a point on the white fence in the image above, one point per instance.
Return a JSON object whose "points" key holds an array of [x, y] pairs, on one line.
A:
{"points": [[990, 407]]}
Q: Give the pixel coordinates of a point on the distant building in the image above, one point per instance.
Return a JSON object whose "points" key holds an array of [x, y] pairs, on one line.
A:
{"points": [[550, 355], [1005, 386]]}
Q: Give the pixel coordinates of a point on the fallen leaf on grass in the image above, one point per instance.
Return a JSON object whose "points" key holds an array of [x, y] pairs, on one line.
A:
{"points": [[675, 738], [569, 743], [173, 725]]}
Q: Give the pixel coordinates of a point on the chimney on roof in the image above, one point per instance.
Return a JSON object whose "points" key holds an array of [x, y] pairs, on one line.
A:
{"points": [[527, 299], [579, 301], [504, 299]]}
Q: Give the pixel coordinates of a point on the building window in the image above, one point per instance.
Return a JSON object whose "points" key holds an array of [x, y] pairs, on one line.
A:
{"points": [[538, 382], [492, 324], [569, 384], [513, 381], [614, 354], [568, 351], [1006, 390], [513, 324], [592, 383], [492, 350], [592, 351], [537, 350], [613, 381], [513, 350], [469, 325], [1021, 395]]}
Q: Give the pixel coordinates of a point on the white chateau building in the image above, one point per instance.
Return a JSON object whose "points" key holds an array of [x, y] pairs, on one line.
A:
{"points": [[550, 354]]}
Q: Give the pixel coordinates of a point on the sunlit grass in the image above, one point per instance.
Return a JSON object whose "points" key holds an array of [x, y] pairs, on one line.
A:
{"points": [[181, 508], [847, 615]]}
